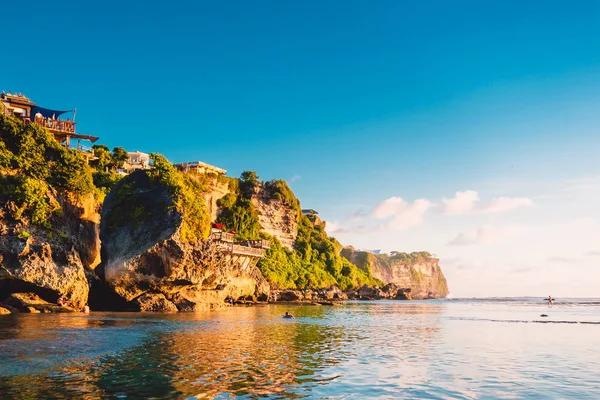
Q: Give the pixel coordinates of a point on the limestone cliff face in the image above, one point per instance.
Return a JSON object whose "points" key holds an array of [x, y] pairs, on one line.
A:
{"points": [[217, 190], [148, 265], [51, 262], [418, 272], [276, 219]]}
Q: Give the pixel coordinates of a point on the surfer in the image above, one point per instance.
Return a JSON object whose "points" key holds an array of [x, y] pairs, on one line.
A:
{"points": [[549, 301], [288, 315]]}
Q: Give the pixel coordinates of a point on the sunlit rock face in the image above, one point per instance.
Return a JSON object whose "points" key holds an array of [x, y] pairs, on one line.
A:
{"points": [[146, 262], [51, 262], [414, 276]]}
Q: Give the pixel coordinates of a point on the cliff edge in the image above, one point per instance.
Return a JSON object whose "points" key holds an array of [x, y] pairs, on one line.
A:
{"points": [[155, 252], [419, 272]]}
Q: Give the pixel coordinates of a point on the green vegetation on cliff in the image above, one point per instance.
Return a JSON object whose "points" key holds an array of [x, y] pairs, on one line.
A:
{"points": [[315, 261], [32, 165], [183, 189], [195, 223]]}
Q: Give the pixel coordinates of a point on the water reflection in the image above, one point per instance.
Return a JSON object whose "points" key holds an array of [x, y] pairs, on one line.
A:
{"points": [[359, 350], [243, 351]]}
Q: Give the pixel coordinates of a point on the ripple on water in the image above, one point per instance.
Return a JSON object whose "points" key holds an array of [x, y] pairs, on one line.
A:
{"points": [[360, 350]]}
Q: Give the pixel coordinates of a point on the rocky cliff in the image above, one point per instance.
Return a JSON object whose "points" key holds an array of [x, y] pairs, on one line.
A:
{"points": [[148, 261], [419, 272], [148, 250], [51, 262]]}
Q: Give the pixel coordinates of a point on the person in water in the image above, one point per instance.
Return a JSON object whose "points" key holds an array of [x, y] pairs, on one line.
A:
{"points": [[288, 315], [549, 301]]}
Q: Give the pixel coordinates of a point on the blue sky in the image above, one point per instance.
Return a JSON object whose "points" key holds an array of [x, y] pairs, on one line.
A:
{"points": [[357, 103]]}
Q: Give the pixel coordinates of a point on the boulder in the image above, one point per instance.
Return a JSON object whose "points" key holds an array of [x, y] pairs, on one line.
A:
{"points": [[333, 293], [404, 294], [367, 292], [32, 303], [4, 311], [155, 302], [351, 294], [289, 295]]}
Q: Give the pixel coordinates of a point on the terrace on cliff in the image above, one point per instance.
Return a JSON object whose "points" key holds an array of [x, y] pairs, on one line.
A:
{"points": [[248, 248], [22, 107]]}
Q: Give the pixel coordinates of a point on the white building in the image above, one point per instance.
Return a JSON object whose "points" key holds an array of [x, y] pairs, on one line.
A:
{"points": [[200, 168], [137, 160]]}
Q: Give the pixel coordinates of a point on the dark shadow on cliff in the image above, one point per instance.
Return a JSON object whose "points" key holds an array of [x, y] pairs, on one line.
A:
{"points": [[137, 214]]}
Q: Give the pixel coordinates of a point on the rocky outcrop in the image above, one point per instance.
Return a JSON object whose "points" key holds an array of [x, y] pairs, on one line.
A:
{"points": [[148, 264], [51, 262], [308, 295], [155, 302], [217, 190], [32, 303], [416, 275], [277, 219]]}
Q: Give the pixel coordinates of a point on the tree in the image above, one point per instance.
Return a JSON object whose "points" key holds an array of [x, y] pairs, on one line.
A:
{"points": [[102, 153], [248, 181], [119, 156]]}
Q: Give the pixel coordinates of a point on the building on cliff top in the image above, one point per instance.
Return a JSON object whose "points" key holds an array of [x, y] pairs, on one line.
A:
{"points": [[22, 107], [200, 167]]}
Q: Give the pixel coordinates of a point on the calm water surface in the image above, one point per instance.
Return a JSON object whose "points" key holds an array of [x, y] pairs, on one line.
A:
{"points": [[431, 349]]}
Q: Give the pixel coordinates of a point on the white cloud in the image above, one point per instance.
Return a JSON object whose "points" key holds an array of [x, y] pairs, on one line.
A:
{"points": [[410, 216], [501, 204], [389, 207], [462, 202], [403, 215], [483, 235], [335, 228], [295, 178], [468, 201], [359, 215]]}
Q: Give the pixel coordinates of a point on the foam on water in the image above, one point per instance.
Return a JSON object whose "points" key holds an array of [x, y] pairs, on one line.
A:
{"points": [[459, 348]]}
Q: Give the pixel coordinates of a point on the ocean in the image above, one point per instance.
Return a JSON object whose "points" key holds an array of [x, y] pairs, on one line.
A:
{"points": [[447, 349]]}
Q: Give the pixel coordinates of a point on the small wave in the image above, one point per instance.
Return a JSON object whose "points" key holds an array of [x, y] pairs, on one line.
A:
{"points": [[522, 321]]}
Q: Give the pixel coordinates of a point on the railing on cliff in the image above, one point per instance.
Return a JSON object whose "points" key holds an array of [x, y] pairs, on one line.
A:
{"points": [[251, 248], [56, 124]]}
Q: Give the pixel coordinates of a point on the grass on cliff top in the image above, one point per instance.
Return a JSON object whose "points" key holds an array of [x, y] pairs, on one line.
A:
{"points": [[186, 191], [32, 165]]}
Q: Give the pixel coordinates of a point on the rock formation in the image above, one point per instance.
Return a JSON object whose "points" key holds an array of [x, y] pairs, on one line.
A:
{"points": [[417, 275], [51, 263], [148, 264]]}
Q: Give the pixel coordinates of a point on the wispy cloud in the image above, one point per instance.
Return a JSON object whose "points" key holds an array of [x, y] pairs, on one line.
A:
{"points": [[521, 270], [468, 201], [483, 235], [564, 260], [502, 204], [462, 202], [295, 178], [595, 253], [403, 215], [359, 215], [335, 228]]}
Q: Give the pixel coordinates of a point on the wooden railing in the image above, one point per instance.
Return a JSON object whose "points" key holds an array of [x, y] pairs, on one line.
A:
{"points": [[223, 236], [247, 251], [56, 124], [259, 244]]}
